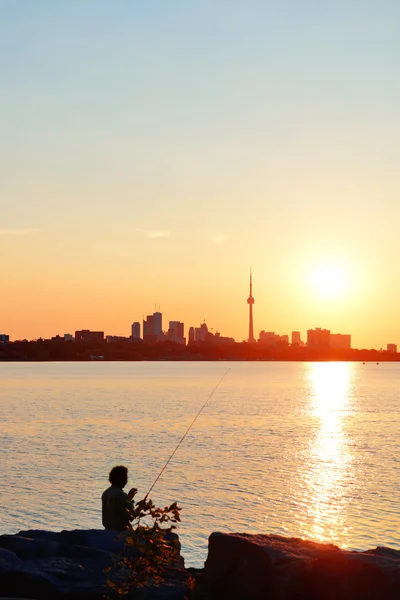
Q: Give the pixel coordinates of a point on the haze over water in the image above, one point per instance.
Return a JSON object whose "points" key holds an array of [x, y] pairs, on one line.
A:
{"points": [[300, 449]]}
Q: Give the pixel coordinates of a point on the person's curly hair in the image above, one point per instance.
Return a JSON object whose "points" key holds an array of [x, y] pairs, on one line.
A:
{"points": [[118, 475]]}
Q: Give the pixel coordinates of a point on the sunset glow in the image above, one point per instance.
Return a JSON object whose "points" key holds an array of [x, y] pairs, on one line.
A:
{"points": [[331, 281], [200, 297], [246, 135], [327, 467]]}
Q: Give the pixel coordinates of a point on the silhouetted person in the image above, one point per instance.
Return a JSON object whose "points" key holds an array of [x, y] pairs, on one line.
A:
{"points": [[116, 504]]}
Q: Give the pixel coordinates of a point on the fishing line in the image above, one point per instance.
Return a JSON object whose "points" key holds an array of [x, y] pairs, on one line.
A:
{"points": [[187, 431]]}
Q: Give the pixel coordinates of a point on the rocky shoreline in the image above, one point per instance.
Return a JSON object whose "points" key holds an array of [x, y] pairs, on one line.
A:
{"points": [[71, 565]]}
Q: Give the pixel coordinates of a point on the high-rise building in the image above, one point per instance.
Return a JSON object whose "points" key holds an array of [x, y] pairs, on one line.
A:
{"points": [[176, 332], [250, 302], [157, 323], [4, 339], [152, 328], [296, 338], [391, 348], [202, 332], [135, 331], [319, 339], [340, 341], [272, 339], [221, 339], [267, 337], [148, 329]]}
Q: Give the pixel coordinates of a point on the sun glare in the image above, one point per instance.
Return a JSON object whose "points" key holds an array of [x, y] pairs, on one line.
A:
{"points": [[330, 281]]}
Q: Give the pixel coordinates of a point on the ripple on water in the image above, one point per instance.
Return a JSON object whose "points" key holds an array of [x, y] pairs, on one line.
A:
{"points": [[309, 450]]}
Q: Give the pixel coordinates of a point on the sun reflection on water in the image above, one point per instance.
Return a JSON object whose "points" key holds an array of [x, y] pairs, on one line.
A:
{"points": [[323, 484]]}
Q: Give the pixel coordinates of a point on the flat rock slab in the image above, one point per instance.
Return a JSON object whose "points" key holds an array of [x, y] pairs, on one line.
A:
{"points": [[244, 566]]}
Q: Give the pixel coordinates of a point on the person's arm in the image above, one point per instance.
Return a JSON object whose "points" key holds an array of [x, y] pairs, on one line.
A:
{"points": [[132, 492]]}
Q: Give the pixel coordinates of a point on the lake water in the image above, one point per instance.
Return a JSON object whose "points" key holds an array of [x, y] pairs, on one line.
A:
{"points": [[299, 449]]}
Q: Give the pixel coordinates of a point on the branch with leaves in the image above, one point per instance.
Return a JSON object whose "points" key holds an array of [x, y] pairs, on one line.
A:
{"points": [[148, 552]]}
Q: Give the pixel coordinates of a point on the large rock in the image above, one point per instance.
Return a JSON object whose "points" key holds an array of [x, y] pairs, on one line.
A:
{"points": [[8, 560], [243, 566], [71, 565]]}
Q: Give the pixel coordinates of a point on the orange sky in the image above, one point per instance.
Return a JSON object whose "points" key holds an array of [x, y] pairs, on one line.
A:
{"points": [[246, 135]]}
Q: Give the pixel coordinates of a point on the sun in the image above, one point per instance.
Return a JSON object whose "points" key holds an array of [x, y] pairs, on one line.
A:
{"points": [[330, 281]]}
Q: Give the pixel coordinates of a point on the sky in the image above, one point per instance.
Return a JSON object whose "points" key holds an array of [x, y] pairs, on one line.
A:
{"points": [[152, 152]]}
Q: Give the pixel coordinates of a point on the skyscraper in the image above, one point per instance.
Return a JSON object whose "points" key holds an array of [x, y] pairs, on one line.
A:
{"points": [[296, 338], [148, 329], [176, 332], [340, 341], [319, 339], [152, 328], [250, 302], [157, 324], [136, 331]]}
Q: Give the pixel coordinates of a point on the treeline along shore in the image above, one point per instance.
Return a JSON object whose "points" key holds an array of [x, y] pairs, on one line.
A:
{"points": [[60, 350]]}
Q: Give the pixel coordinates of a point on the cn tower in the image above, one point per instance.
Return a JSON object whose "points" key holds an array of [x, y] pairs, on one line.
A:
{"points": [[250, 302]]}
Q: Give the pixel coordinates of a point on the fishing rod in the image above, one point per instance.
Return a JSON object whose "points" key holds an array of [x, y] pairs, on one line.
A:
{"points": [[187, 431]]}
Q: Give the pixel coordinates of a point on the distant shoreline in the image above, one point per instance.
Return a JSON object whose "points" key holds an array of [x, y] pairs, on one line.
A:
{"points": [[155, 360], [69, 351]]}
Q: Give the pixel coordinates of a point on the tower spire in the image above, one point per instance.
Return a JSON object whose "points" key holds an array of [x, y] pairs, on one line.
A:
{"points": [[250, 302]]}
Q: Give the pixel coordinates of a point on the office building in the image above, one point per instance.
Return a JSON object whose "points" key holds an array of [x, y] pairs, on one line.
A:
{"points": [[318, 339], [272, 339], [296, 338], [221, 339], [85, 335], [340, 341], [4, 339], [148, 329], [157, 324], [391, 348], [135, 331], [267, 338], [152, 328], [201, 333], [176, 332]]}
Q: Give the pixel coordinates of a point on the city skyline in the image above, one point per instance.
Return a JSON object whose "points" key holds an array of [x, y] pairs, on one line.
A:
{"points": [[317, 340], [151, 330], [259, 134]]}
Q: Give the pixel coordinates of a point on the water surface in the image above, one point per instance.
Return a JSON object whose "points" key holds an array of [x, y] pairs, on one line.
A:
{"points": [[303, 449]]}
